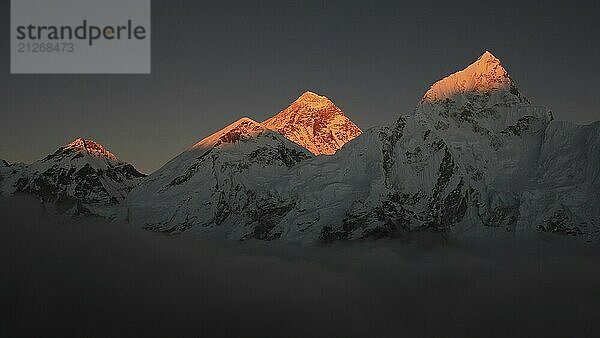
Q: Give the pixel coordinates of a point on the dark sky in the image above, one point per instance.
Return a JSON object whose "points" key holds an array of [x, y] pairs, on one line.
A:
{"points": [[215, 61]]}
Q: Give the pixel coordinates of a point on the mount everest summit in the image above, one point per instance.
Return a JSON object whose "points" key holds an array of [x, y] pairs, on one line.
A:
{"points": [[315, 123], [475, 157]]}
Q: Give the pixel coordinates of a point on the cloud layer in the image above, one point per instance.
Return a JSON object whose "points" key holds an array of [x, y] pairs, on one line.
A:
{"points": [[65, 278]]}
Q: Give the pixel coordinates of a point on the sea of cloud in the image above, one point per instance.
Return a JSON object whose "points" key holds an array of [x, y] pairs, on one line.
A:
{"points": [[88, 278]]}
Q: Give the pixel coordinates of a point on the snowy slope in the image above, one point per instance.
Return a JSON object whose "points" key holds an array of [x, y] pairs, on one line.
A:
{"points": [[219, 176], [80, 178], [315, 123]]}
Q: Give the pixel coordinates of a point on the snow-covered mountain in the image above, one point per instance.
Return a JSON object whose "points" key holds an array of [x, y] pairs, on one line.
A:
{"points": [[218, 177], [80, 178], [474, 158], [315, 123]]}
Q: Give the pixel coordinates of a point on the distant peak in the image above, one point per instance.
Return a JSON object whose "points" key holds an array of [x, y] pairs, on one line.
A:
{"points": [[82, 144], [239, 130], [90, 147], [484, 75], [313, 100], [245, 120], [314, 122], [78, 142]]}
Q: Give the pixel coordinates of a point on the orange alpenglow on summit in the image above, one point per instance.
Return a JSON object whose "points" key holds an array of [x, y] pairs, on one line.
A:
{"points": [[315, 123], [90, 147], [484, 75]]}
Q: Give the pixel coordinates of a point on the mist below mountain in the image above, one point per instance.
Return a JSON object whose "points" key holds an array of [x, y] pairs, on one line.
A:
{"points": [[86, 278]]}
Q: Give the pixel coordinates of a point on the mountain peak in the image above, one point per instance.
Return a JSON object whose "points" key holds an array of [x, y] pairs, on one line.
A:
{"points": [[488, 57], [484, 75], [487, 65], [313, 100], [239, 130], [315, 123], [308, 94], [79, 178], [89, 147]]}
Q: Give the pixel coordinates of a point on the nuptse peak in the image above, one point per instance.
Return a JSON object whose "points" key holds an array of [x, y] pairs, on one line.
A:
{"points": [[483, 76]]}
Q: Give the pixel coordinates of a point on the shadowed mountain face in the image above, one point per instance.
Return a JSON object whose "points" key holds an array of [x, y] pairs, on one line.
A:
{"points": [[80, 178], [474, 158]]}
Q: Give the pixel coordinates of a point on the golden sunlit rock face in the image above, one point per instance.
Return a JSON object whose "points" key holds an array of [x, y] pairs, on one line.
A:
{"points": [[315, 123], [484, 75]]}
